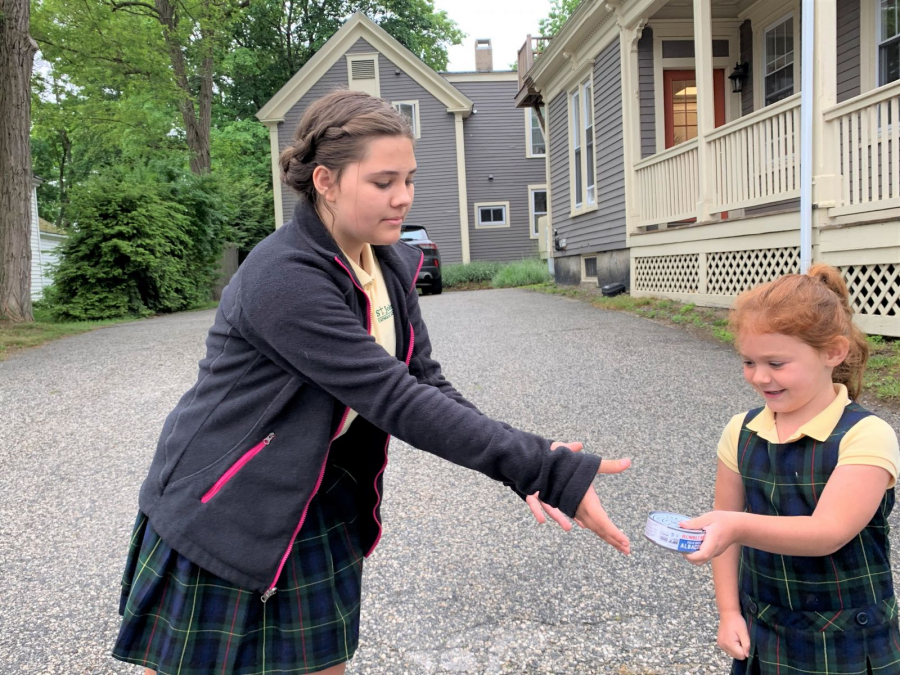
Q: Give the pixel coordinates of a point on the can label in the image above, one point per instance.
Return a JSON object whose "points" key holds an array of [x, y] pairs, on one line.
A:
{"points": [[662, 529]]}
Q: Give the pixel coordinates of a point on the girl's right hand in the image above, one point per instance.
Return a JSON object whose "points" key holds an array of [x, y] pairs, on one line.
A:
{"points": [[591, 514], [734, 638]]}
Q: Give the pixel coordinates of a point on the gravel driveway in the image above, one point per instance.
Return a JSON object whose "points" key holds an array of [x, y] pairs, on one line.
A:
{"points": [[464, 580]]}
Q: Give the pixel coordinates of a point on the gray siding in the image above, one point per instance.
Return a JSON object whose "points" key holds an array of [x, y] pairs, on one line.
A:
{"points": [[746, 31], [646, 91], [436, 204], [603, 229], [495, 146], [437, 191], [558, 119], [848, 46]]}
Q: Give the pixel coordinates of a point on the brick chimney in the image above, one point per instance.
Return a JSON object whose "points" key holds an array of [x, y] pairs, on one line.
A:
{"points": [[484, 56]]}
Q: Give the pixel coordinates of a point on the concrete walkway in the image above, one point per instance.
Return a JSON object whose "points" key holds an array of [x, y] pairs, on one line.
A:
{"points": [[464, 580]]}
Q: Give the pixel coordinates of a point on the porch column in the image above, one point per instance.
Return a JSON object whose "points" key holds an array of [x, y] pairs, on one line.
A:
{"points": [[826, 181], [461, 187], [631, 121], [275, 152], [706, 120]]}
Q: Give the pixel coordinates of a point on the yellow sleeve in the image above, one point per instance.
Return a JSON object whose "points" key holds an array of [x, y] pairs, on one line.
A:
{"points": [[728, 443], [873, 442]]}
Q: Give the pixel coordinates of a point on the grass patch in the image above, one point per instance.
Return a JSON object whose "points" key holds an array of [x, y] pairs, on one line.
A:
{"points": [[481, 274], [883, 374], [882, 377], [521, 273], [17, 336]]}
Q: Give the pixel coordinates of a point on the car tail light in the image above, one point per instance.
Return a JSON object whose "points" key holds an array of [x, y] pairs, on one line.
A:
{"points": [[437, 263], [428, 247]]}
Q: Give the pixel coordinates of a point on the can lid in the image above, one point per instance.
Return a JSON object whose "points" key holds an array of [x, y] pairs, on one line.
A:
{"points": [[672, 520]]}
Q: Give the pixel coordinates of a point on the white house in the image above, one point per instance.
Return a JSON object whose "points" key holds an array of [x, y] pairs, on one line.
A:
{"points": [[45, 242]]}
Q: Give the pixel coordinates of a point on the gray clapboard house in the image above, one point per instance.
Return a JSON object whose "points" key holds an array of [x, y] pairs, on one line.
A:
{"points": [[675, 143], [480, 185]]}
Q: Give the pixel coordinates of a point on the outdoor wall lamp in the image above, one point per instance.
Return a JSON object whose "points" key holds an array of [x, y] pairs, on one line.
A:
{"points": [[739, 76]]}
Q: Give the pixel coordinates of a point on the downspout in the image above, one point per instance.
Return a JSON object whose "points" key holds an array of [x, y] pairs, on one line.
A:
{"points": [[807, 37]]}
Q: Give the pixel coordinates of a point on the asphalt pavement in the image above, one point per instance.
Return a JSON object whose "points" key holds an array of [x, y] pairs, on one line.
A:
{"points": [[464, 580]]}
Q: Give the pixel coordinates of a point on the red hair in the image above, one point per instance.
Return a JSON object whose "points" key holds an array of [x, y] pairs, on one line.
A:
{"points": [[813, 307]]}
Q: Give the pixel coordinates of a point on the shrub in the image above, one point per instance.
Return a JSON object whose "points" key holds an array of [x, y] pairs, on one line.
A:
{"points": [[141, 243]]}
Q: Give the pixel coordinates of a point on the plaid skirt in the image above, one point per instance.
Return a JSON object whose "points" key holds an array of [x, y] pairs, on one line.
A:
{"points": [[858, 641], [179, 619]]}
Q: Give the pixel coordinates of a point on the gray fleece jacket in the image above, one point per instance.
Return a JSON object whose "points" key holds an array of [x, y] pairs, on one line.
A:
{"points": [[243, 453]]}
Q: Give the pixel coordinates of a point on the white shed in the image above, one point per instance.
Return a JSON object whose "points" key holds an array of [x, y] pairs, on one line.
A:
{"points": [[45, 240]]}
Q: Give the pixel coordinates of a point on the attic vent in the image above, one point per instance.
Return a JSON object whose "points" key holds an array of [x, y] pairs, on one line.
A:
{"points": [[363, 70]]}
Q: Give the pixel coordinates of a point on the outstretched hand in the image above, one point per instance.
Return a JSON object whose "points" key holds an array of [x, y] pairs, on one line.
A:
{"points": [[720, 528], [590, 513]]}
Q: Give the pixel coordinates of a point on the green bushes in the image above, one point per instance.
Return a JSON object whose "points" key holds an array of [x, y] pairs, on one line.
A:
{"points": [[141, 243], [482, 274]]}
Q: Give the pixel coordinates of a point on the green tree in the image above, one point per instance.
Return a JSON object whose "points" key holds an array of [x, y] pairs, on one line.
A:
{"points": [[560, 11], [241, 150], [16, 58]]}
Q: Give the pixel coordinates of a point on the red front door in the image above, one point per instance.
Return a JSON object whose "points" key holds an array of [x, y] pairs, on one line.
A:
{"points": [[680, 101]]}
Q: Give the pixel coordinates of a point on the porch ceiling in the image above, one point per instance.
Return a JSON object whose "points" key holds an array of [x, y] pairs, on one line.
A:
{"points": [[721, 9]]}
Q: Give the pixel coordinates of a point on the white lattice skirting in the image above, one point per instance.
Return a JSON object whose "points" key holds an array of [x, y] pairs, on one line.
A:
{"points": [[668, 273], [874, 288]]}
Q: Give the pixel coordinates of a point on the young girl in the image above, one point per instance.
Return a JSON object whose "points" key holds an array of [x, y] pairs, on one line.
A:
{"points": [[264, 495], [804, 488]]}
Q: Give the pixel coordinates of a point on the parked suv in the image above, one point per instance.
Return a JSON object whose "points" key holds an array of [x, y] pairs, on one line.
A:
{"points": [[430, 275]]}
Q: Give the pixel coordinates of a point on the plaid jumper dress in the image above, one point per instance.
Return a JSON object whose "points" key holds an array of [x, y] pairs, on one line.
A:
{"points": [[833, 614]]}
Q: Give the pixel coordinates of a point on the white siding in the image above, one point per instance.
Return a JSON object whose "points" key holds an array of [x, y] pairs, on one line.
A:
{"points": [[37, 280]]}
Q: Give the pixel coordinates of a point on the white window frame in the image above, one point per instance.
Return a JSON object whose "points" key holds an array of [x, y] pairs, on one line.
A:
{"points": [[767, 14], [374, 90], [879, 82], [530, 119], [533, 215], [765, 57], [583, 197], [416, 122], [491, 205]]}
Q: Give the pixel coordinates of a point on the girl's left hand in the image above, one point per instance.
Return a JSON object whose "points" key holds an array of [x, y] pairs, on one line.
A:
{"points": [[721, 529], [539, 508]]}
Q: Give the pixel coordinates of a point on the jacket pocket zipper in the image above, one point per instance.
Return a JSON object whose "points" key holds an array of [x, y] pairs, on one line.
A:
{"points": [[237, 466]]}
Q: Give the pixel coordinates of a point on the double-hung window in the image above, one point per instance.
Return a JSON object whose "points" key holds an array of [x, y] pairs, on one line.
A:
{"points": [[778, 55], [583, 184], [888, 41], [536, 143], [537, 197], [410, 110]]}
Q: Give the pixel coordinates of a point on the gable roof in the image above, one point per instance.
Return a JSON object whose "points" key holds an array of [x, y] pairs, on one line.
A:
{"points": [[360, 26]]}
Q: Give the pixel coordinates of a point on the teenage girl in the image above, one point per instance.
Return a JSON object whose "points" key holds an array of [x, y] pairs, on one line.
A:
{"points": [[264, 495]]}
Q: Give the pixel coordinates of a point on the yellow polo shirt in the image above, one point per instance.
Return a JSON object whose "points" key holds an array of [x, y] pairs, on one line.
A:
{"points": [[382, 319], [871, 441]]}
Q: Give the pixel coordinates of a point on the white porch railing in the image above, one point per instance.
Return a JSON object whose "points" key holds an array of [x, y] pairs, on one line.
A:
{"points": [[867, 132], [668, 185], [757, 157]]}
